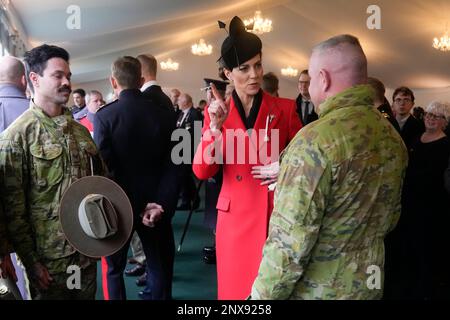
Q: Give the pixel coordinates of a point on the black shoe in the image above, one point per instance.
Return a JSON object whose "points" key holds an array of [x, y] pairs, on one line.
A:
{"points": [[209, 250], [142, 280], [144, 295], [137, 271], [209, 259], [209, 255]]}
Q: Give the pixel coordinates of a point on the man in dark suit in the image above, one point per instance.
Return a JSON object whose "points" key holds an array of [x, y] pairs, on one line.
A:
{"points": [[174, 95], [151, 89], [133, 135], [381, 103], [186, 120], [305, 107], [410, 127]]}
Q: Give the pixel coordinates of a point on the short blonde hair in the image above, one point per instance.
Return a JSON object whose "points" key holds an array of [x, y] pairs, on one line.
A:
{"points": [[439, 108]]}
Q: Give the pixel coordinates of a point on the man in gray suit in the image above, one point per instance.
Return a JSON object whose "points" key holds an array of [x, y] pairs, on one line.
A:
{"points": [[13, 101]]}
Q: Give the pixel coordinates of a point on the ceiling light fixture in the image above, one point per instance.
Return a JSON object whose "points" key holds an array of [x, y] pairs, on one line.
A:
{"points": [[201, 48], [257, 24], [169, 65], [289, 72], [443, 43]]}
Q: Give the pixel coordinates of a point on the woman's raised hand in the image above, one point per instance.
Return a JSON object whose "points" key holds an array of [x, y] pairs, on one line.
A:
{"points": [[218, 110]]}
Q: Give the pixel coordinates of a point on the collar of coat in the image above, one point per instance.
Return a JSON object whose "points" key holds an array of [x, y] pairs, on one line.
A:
{"points": [[360, 95], [52, 122]]}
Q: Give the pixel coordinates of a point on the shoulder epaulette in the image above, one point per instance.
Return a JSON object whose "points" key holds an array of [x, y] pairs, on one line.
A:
{"points": [[106, 105]]}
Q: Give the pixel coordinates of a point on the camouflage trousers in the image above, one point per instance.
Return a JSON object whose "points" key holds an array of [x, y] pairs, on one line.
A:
{"points": [[59, 288]]}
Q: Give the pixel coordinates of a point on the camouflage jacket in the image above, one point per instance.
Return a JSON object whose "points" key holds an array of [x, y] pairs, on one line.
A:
{"points": [[338, 195], [39, 158]]}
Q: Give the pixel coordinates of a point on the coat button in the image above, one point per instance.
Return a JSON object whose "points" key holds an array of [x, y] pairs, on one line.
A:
{"points": [[238, 178]]}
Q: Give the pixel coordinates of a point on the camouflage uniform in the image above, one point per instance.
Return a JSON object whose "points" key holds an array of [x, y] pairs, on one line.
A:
{"points": [[39, 158], [338, 195]]}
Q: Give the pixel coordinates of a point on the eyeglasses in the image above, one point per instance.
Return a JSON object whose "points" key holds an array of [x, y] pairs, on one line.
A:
{"points": [[405, 100], [432, 116]]}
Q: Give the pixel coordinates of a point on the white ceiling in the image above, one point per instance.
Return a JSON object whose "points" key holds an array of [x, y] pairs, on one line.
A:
{"points": [[399, 54]]}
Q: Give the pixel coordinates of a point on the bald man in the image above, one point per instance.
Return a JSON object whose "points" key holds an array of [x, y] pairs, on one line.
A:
{"points": [[13, 102], [13, 84], [338, 191]]}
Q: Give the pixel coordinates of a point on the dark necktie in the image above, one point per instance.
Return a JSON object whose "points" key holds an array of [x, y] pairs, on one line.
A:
{"points": [[306, 110], [180, 118]]}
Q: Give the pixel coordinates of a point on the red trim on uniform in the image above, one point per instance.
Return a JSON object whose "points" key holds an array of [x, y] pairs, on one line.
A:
{"points": [[105, 279]]}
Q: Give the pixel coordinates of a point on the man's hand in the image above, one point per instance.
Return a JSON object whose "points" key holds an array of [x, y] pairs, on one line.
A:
{"points": [[268, 173], [152, 213], [217, 110], [7, 268], [39, 274]]}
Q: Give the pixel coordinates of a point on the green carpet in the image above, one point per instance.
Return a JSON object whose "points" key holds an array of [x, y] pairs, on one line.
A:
{"points": [[193, 279]]}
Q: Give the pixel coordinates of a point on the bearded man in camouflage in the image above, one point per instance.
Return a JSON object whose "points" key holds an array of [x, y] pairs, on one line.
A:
{"points": [[41, 154], [338, 192]]}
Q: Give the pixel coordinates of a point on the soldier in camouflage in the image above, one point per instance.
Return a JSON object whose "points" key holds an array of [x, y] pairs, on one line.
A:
{"points": [[41, 154], [338, 191]]}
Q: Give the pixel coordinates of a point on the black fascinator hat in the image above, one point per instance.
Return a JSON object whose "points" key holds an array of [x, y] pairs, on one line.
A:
{"points": [[240, 45]]}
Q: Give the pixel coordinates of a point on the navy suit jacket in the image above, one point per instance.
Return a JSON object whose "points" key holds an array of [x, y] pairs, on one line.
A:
{"points": [[189, 124], [133, 135], [155, 93]]}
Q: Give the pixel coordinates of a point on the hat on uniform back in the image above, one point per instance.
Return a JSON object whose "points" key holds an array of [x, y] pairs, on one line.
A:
{"points": [[96, 216]]}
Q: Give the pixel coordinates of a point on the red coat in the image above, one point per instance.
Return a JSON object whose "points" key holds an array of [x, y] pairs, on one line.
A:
{"points": [[85, 122], [244, 206]]}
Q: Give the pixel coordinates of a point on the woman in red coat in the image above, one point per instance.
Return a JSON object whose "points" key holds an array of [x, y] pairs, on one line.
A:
{"points": [[247, 134]]}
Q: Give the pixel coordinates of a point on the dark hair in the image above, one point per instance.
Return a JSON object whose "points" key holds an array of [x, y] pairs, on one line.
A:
{"points": [[223, 66], [127, 71], [405, 91], [221, 71], [270, 83], [418, 113], [304, 72], [378, 86], [80, 91], [36, 59]]}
